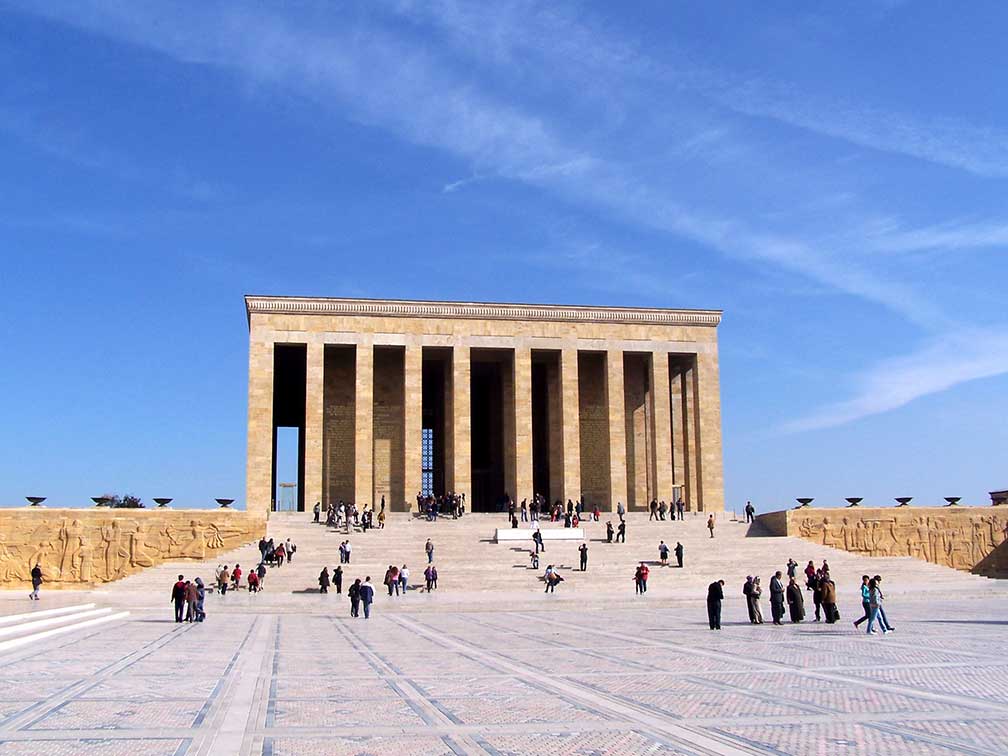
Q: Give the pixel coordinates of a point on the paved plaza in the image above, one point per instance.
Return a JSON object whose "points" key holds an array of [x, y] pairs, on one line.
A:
{"points": [[633, 677]]}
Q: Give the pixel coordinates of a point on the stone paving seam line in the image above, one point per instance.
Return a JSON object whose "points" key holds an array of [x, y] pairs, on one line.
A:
{"points": [[65, 695], [430, 711], [232, 720], [967, 702], [703, 741]]}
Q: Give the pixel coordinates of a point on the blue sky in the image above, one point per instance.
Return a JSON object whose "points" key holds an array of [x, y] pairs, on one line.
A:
{"points": [[833, 177]]}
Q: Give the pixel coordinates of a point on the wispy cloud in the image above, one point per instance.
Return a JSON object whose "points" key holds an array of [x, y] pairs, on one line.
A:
{"points": [[366, 72], [945, 362]]}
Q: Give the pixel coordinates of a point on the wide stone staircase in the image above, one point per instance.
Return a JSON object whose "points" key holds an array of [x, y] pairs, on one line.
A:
{"points": [[29, 627], [475, 571]]}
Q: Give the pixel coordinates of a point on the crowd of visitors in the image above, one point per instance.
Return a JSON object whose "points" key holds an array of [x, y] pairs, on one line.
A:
{"points": [[187, 596], [789, 598], [659, 509]]}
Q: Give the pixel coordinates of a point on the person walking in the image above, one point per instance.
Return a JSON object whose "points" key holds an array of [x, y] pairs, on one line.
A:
{"points": [[347, 550], [663, 553], [236, 577], [223, 579], [621, 531], [537, 539], [715, 595], [795, 600], [710, 525], [178, 597], [883, 620], [680, 508], [429, 550], [404, 578], [776, 598], [253, 582], [583, 549], [679, 554], [191, 597], [609, 532], [430, 576], [367, 596], [865, 603], [640, 578], [323, 580], [337, 578], [36, 581], [653, 506], [354, 594], [873, 606], [200, 597], [317, 509], [620, 510]]}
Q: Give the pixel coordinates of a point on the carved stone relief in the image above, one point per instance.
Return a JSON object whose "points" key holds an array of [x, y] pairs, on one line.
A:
{"points": [[88, 546], [960, 538]]}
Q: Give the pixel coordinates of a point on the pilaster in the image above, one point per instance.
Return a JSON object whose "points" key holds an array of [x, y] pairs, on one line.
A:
{"points": [[661, 416], [364, 426], [461, 464], [522, 386], [571, 425], [617, 428], [412, 420], [259, 459], [314, 391]]}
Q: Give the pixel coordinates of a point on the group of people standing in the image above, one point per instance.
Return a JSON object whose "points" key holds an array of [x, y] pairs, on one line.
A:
{"points": [[659, 509], [187, 596], [790, 598], [431, 506]]}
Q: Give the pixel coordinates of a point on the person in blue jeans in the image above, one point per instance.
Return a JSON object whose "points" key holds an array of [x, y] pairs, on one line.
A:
{"points": [[874, 604], [367, 596], [883, 620], [864, 601]]}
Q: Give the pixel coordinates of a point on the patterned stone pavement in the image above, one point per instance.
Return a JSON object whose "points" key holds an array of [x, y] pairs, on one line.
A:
{"points": [[634, 678]]}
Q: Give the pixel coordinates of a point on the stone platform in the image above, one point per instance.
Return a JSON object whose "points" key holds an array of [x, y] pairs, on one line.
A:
{"points": [[489, 664]]}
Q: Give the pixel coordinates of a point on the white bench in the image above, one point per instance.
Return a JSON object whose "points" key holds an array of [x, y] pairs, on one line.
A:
{"points": [[548, 534]]}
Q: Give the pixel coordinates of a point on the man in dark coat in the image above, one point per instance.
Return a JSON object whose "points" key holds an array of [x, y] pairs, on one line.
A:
{"points": [[583, 549], [178, 596], [747, 592], [776, 598], [796, 601], [679, 553], [715, 595], [367, 596]]}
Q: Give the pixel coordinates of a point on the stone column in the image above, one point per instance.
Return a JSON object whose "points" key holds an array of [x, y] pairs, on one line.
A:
{"points": [[413, 422], [259, 458], [690, 435], [522, 387], [314, 390], [461, 424], [617, 428], [708, 436], [661, 417], [571, 425], [678, 438], [364, 426]]}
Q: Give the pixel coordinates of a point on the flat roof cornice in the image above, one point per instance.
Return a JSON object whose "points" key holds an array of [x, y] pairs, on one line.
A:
{"points": [[407, 308]]}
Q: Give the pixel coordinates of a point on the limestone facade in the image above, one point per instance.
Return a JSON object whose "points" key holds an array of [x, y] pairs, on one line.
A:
{"points": [[603, 404], [92, 546], [964, 538]]}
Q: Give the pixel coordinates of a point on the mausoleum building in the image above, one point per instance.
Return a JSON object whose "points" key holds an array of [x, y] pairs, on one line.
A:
{"points": [[392, 397]]}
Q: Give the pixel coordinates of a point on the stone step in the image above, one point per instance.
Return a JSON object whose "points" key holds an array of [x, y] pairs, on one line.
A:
{"points": [[17, 630]]}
